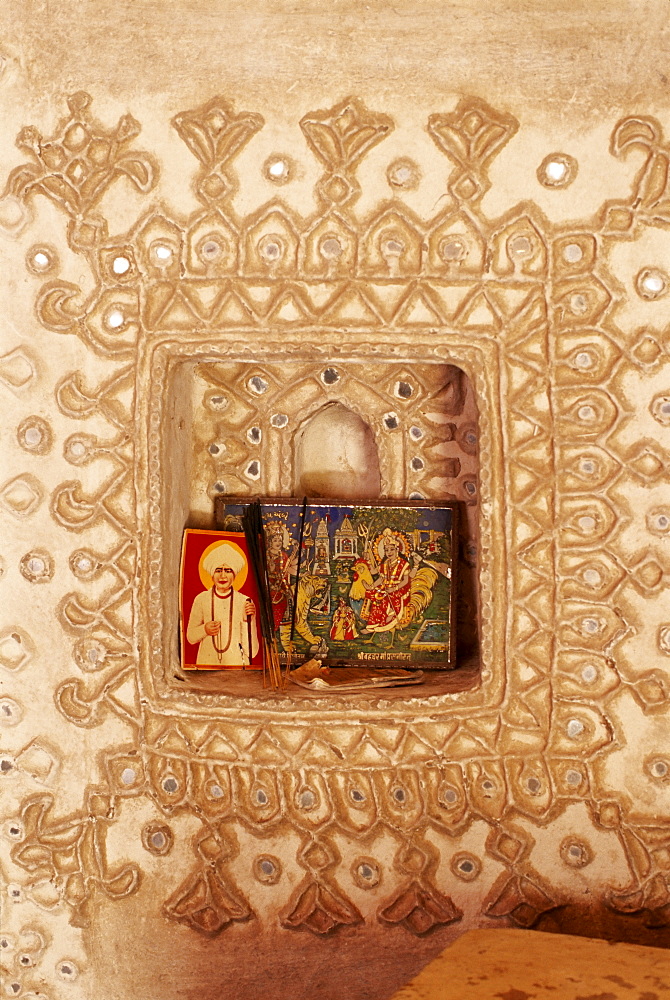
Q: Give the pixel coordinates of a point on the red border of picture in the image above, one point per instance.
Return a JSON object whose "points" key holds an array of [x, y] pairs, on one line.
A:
{"points": [[194, 543]]}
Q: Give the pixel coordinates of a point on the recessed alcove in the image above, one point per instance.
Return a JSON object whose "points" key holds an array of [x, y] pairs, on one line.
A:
{"points": [[338, 429], [335, 455]]}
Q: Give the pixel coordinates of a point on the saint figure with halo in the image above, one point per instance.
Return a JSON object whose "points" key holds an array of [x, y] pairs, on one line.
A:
{"points": [[222, 620]]}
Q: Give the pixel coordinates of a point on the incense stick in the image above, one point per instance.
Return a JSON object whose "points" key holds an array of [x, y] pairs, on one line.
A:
{"points": [[253, 529], [289, 654]]}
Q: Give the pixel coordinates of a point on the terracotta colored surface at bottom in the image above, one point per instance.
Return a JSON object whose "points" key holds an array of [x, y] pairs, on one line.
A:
{"points": [[530, 965], [156, 959]]}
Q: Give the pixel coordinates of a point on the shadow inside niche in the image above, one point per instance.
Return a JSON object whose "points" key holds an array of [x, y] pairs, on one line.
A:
{"points": [[336, 456], [648, 927]]}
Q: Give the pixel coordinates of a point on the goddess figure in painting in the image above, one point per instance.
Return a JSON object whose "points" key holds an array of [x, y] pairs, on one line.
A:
{"points": [[222, 620], [344, 622], [281, 566], [361, 583], [386, 600]]}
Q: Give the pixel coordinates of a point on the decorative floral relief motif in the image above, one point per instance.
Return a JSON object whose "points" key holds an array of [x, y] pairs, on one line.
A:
{"points": [[75, 167], [530, 312]]}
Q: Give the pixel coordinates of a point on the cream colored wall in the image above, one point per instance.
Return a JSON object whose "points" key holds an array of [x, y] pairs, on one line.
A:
{"points": [[536, 795]]}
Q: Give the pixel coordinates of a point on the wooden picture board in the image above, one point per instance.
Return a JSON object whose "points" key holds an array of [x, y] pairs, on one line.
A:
{"points": [[376, 582]]}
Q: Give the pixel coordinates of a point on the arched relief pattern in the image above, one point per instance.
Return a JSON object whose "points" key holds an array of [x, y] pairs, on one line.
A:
{"points": [[439, 409], [352, 455], [573, 535]]}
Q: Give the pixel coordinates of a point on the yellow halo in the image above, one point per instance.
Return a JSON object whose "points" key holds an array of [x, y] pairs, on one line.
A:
{"points": [[403, 543], [241, 577]]}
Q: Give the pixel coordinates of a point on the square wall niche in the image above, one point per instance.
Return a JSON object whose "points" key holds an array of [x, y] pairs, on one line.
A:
{"points": [[329, 426]]}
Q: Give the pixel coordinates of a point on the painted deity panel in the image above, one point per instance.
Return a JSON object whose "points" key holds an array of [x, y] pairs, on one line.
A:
{"points": [[359, 584]]}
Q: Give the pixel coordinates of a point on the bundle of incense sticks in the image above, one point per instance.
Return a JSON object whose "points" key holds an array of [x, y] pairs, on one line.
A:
{"points": [[287, 673], [252, 522]]}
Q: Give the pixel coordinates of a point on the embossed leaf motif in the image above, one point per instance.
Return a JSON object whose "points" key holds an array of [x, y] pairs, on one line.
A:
{"points": [[128, 128], [206, 903], [214, 133], [73, 399], [124, 882], [33, 854], [22, 179], [59, 305], [471, 136], [657, 902], [518, 898], [76, 401], [73, 702], [343, 136], [630, 132], [420, 909], [72, 508], [78, 103], [631, 902], [68, 852], [138, 170], [75, 167], [653, 897], [652, 190], [320, 910], [86, 705]]}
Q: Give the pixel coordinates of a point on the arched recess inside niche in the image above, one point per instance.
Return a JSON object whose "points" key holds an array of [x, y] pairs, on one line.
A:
{"points": [[335, 455], [356, 388]]}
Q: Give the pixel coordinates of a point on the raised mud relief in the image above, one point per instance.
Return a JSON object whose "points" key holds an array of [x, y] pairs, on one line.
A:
{"points": [[493, 360]]}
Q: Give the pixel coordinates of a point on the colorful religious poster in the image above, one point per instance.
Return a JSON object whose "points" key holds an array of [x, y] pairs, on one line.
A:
{"points": [[218, 603], [360, 584]]}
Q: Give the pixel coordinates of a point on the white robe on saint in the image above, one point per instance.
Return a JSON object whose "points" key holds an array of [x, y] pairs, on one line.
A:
{"points": [[233, 637]]}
